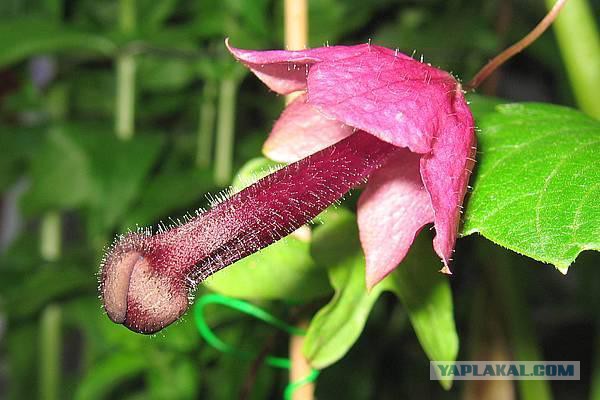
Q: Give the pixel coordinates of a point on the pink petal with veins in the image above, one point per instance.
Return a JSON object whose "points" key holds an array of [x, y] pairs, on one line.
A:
{"points": [[301, 131], [285, 71], [394, 98], [446, 170], [391, 212]]}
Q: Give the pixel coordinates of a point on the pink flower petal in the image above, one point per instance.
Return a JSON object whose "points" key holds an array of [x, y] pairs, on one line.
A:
{"points": [[446, 172], [391, 211], [394, 98], [301, 131], [285, 71]]}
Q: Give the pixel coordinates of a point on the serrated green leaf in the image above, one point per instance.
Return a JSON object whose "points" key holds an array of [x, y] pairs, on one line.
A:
{"points": [[537, 184], [427, 297], [337, 326]]}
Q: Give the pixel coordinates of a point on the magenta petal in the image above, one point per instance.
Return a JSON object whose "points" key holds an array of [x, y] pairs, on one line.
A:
{"points": [[394, 98], [301, 131], [391, 211], [286, 71], [446, 172]]}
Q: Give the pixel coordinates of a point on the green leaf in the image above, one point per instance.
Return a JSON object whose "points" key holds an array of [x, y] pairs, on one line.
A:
{"points": [[481, 105], [423, 290], [427, 297], [108, 372], [337, 326], [163, 75], [87, 166], [174, 378], [22, 353], [39, 287], [19, 146], [284, 270], [119, 169], [167, 192], [60, 174], [537, 185], [153, 13], [252, 171], [24, 37]]}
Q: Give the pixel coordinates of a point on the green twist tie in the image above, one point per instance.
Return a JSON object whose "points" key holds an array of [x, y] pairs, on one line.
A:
{"points": [[258, 313]]}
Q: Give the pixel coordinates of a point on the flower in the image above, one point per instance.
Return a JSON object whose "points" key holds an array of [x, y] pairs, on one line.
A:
{"points": [[404, 102], [366, 112]]}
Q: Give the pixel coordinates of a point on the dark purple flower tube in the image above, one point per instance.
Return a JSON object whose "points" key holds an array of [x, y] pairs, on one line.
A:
{"points": [[146, 280]]}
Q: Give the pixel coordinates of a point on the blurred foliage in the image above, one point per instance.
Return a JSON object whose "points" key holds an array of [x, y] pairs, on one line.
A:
{"points": [[59, 153]]}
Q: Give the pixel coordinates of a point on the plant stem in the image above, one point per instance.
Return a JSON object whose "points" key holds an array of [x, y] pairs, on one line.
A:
{"points": [[50, 250], [125, 101], [206, 124], [127, 19], [579, 42], [487, 341], [299, 368], [51, 224], [507, 54], [296, 24], [225, 131], [296, 38], [296, 29], [517, 318], [50, 351], [50, 236]]}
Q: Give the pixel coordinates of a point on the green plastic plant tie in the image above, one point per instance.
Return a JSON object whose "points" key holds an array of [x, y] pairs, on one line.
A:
{"points": [[258, 313], [293, 386]]}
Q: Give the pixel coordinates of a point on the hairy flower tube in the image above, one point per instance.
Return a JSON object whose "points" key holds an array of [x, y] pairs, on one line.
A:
{"points": [[366, 112]]}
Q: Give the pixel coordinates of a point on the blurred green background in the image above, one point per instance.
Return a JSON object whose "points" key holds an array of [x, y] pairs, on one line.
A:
{"points": [[116, 114]]}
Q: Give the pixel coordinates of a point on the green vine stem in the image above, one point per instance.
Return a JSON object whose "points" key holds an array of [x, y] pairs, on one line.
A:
{"points": [[225, 130], [206, 124], [50, 236], [51, 224], [50, 351], [57, 102], [579, 42], [125, 90], [515, 315]]}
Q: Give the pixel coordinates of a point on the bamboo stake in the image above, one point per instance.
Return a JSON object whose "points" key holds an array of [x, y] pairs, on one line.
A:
{"points": [[296, 38], [296, 30]]}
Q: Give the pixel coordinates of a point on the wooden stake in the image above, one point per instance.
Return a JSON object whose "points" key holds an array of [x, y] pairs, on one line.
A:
{"points": [[296, 29], [300, 368]]}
